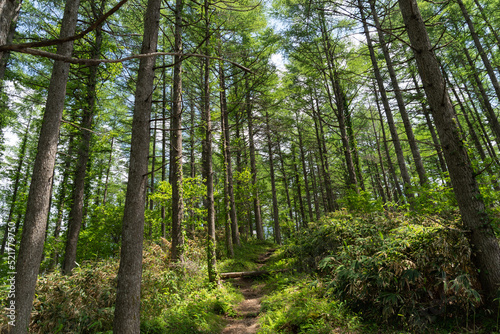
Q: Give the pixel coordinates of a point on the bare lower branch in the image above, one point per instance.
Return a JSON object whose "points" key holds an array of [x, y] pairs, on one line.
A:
{"points": [[72, 60]]}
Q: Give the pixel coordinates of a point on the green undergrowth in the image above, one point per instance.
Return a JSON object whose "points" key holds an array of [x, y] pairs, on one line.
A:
{"points": [[394, 271], [300, 304], [174, 299]]}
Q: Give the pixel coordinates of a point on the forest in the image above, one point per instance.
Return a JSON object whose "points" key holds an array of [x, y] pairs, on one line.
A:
{"points": [[247, 166]]}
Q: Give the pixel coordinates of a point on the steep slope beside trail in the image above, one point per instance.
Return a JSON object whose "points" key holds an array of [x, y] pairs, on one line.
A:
{"points": [[246, 321]]}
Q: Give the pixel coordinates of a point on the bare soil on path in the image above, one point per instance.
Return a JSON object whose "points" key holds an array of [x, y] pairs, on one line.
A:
{"points": [[246, 321]]}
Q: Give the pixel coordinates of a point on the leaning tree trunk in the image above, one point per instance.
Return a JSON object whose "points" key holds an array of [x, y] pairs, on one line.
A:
{"points": [[417, 159], [388, 112], [128, 295], [486, 251], [480, 50], [31, 247]]}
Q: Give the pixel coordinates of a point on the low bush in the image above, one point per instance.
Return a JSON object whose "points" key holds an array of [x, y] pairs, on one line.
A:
{"points": [[392, 268], [174, 299]]}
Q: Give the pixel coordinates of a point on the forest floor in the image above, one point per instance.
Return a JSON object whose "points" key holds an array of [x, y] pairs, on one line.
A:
{"points": [[252, 289]]}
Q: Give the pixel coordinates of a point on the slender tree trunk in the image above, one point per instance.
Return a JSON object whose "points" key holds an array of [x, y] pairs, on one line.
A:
{"points": [[164, 142], [207, 157], [285, 181], [176, 143], [228, 161], [486, 251], [315, 187], [388, 112], [15, 187], [76, 211], [299, 190], [480, 50], [225, 152], [277, 230], [483, 98], [108, 171], [392, 170], [430, 125], [304, 172], [128, 295], [253, 165], [31, 247], [417, 159], [488, 23], [387, 195], [323, 154]]}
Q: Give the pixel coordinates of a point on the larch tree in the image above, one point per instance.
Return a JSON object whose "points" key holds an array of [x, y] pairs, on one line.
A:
{"points": [[486, 251], [33, 237], [128, 295]]}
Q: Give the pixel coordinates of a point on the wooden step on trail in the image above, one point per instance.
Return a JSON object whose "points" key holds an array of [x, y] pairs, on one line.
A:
{"points": [[239, 274]]}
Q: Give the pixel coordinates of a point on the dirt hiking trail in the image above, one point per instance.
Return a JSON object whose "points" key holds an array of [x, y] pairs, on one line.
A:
{"points": [[246, 321]]}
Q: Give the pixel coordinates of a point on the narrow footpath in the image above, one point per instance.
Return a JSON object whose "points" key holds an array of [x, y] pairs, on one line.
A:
{"points": [[246, 321]]}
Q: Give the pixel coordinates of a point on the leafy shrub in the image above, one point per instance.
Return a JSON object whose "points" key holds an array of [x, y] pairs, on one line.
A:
{"points": [[392, 267]]}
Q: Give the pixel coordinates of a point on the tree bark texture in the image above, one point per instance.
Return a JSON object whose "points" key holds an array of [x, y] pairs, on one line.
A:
{"points": [[486, 251], [127, 309], [31, 247]]}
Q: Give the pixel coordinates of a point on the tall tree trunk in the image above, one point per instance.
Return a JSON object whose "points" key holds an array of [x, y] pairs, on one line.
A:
{"points": [[392, 171], [285, 181], [235, 235], [299, 190], [253, 164], [128, 295], [315, 187], [486, 251], [164, 143], [385, 195], [108, 171], [323, 154], [388, 112], [430, 124], [304, 172], [277, 230], [480, 50], [15, 187], [31, 247], [176, 143], [417, 159], [76, 211], [484, 98], [207, 156]]}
